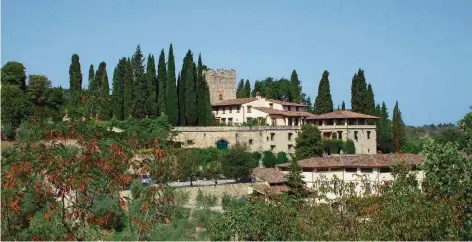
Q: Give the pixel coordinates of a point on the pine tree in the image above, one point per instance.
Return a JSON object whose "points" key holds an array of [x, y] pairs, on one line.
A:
{"points": [[161, 80], [103, 101], [295, 180], [151, 78], [240, 90], [296, 90], [323, 102], [75, 80], [247, 89], [359, 92], [398, 129], [141, 91], [117, 98], [171, 90], [91, 83], [343, 106], [188, 81], [181, 95], [128, 92], [369, 101], [204, 110]]}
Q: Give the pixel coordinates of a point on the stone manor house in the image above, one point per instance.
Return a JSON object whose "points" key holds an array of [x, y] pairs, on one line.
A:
{"points": [[277, 123]]}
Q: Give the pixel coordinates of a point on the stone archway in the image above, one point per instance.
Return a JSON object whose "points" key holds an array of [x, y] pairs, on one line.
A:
{"points": [[222, 144]]}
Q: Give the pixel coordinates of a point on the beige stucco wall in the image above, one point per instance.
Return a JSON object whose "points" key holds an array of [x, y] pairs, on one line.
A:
{"points": [[262, 138]]}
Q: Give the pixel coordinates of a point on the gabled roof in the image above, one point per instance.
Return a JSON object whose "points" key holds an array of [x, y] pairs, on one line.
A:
{"points": [[272, 111], [236, 101], [270, 175], [285, 103], [340, 114], [371, 161]]}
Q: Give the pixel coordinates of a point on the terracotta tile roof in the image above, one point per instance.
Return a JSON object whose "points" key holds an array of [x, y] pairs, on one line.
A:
{"points": [[285, 103], [377, 160], [272, 111], [236, 101], [270, 175], [342, 114]]}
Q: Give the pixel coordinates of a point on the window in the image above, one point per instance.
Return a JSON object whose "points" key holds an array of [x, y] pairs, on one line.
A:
{"points": [[321, 169], [271, 105], [220, 97], [290, 136], [274, 122], [368, 134], [224, 110], [249, 109], [366, 170], [237, 109], [250, 141], [190, 142], [385, 170], [272, 147], [320, 122], [223, 120], [272, 135], [340, 134], [267, 138], [361, 122], [355, 135], [290, 148], [230, 109], [289, 108], [217, 109], [329, 122], [352, 121], [336, 169], [296, 109], [354, 170], [230, 121]]}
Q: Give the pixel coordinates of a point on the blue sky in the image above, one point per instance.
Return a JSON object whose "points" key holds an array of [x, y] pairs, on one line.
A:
{"points": [[417, 52]]}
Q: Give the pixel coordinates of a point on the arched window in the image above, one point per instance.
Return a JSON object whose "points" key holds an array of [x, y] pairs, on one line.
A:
{"points": [[222, 144]]}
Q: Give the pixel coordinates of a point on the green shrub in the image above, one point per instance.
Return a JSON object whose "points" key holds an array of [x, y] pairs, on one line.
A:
{"points": [[269, 160], [349, 147], [205, 200], [229, 202], [282, 158]]}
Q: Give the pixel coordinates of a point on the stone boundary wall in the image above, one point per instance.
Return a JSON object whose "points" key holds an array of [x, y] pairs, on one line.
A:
{"points": [[233, 128]]}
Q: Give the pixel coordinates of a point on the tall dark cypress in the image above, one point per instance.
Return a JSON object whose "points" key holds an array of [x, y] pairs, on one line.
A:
{"points": [[171, 90], [323, 102], [296, 88], [398, 129], [369, 101], [240, 89], [128, 92], [117, 98], [359, 93], [91, 83], [75, 79], [152, 86], [188, 80], [181, 93], [141, 91], [103, 101], [384, 131], [247, 89], [204, 109], [161, 83], [343, 106]]}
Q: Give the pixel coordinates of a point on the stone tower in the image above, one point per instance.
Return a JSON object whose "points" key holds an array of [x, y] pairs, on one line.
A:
{"points": [[222, 84]]}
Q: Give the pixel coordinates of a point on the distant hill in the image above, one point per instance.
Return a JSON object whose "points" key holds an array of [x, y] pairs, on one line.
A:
{"points": [[428, 131]]}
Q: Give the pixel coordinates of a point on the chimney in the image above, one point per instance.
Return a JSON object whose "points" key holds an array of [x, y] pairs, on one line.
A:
{"points": [[258, 95]]}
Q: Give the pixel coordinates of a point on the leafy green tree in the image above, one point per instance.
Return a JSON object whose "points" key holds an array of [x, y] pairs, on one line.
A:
{"points": [[190, 164], [188, 79], [296, 92], [181, 95], [257, 88], [240, 90], [398, 129], [294, 180], [162, 81], [237, 163], [75, 80], [128, 92], [369, 101], [152, 83], [91, 77], [140, 91], [343, 106], [37, 89], [323, 102], [413, 146], [247, 89], [14, 73], [358, 92], [466, 126], [269, 160], [15, 108], [309, 105], [453, 135], [282, 158], [117, 98], [348, 147], [308, 143], [204, 109], [171, 90]]}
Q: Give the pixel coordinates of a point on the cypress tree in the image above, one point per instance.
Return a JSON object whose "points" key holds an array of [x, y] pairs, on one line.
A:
{"points": [[384, 131], [247, 89], [240, 90], [75, 79], [296, 88], [117, 98], [369, 101], [171, 90], [398, 129], [103, 101], [161, 80], [152, 87], [91, 83], [257, 88], [343, 106], [359, 93], [128, 101], [181, 94], [188, 81], [323, 102], [204, 109], [295, 180], [141, 91]]}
